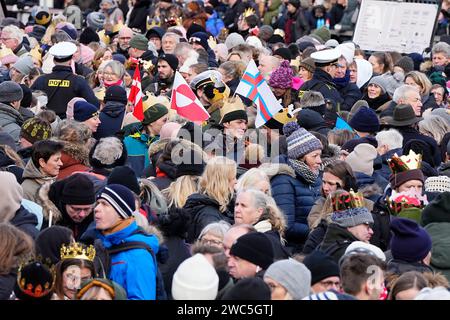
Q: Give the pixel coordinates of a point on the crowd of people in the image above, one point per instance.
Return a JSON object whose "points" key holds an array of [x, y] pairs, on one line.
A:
{"points": [[343, 194]]}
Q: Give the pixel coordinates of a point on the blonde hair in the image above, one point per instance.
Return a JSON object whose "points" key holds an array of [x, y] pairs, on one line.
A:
{"points": [[13, 155], [180, 189], [251, 178], [420, 79], [215, 181], [271, 211], [435, 127]]}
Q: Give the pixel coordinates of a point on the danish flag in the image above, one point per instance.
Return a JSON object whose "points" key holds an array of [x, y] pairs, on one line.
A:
{"points": [[135, 97], [254, 87], [185, 102]]}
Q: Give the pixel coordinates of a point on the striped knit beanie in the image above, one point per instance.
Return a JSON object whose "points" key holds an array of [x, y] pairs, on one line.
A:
{"points": [[120, 198], [299, 141]]}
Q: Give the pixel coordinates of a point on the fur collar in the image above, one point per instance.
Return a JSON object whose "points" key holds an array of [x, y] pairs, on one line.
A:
{"points": [[273, 169], [157, 146], [48, 206]]}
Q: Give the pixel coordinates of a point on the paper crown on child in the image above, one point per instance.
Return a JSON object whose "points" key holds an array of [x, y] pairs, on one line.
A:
{"points": [[405, 163], [35, 280], [347, 200], [77, 251]]}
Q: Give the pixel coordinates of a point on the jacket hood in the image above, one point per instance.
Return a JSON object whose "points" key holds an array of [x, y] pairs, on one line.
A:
{"points": [[273, 169], [114, 109], [73, 154], [157, 146], [440, 253], [24, 217], [31, 172], [47, 205], [11, 196], [310, 120]]}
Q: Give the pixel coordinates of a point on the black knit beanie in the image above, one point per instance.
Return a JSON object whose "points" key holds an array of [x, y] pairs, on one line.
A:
{"points": [[78, 189]]}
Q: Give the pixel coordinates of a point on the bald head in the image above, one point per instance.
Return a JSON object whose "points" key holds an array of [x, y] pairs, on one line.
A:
{"points": [[170, 130], [267, 64], [124, 37], [233, 234]]}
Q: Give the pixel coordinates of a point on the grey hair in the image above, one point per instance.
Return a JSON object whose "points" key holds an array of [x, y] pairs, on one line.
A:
{"points": [[171, 34], [14, 32], [392, 138], [251, 177], [218, 229], [401, 93], [434, 126], [185, 50], [441, 47], [108, 150], [116, 67]]}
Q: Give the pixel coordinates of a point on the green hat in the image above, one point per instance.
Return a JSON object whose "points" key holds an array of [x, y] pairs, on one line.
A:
{"points": [[139, 42], [114, 289], [154, 113], [322, 34]]}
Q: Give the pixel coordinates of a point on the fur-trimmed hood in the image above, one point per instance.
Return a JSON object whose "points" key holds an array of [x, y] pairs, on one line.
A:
{"points": [[48, 206], [77, 152], [273, 169], [157, 146]]}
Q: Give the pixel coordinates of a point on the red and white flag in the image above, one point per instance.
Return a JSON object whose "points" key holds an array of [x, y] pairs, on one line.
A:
{"points": [[185, 102], [135, 97]]}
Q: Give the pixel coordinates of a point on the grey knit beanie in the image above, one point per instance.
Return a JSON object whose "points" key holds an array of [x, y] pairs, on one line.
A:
{"points": [[379, 81], [292, 275], [10, 91], [299, 141], [24, 65], [352, 217], [233, 40]]}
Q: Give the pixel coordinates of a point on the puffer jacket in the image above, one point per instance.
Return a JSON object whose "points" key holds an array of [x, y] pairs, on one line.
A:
{"points": [[440, 253], [135, 269], [10, 121], [111, 118], [295, 197], [203, 210]]}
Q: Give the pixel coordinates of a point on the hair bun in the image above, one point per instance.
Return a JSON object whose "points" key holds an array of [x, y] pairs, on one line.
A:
{"points": [[290, 127]]}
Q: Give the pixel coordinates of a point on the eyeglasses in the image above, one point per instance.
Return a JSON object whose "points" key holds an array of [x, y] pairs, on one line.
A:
{"points": [[125, 38], [211, 242], [79, 210]]}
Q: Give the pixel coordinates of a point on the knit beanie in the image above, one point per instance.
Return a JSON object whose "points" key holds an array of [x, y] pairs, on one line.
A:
{"points": [[438, 210], [115, 93], [95, 20], [170, 59], [78, 189], [24, 65], [89, 35], [154, 113], [322, 34], [254, 247], [308, 64], [35, 281], [195, 279], [365, 120], [10, 92], [299, 141], [406, 63], [437, 184], [116, 291], [285, 53], [83, 111], [36, 129], [380, 81], [361, 158], [282, 76], [397, 179], [409, 242], [201, 38], [108, 153], [120, 198], [69, 29], [292, 275], [321, 265], [248, 289], [125, 176], [233, 40], [139, 42], [352, 217], [49, 242]]}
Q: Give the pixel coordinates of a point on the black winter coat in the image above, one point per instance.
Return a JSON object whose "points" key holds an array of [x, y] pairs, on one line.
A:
{"points": [[336, 241], [315, 237], [350, 93], [138, 15], [25, 221], [203, 210], [111, 118], [323, 82]]}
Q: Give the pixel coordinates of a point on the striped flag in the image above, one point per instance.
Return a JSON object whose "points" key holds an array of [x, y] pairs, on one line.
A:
{"points": [[254, 87], [135, 97]]}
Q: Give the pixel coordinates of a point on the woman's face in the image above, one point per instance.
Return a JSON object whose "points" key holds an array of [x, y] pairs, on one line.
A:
{"points": [[373, 91], [127, 79], [278, 92], [304, 74], [278, 292], [244, 210], [212, 240], [107, 56], [409, 294], [409, 81], [109, 75], [438, 95], [52, 166], [313, 160], [330, 183], [71, 281], [376, 66]]}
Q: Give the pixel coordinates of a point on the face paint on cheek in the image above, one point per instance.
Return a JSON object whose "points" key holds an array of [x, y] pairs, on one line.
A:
{"points": [[72, 278]]}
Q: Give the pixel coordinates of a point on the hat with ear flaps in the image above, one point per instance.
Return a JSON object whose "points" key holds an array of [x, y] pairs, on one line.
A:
{"points": [[233, 109]]}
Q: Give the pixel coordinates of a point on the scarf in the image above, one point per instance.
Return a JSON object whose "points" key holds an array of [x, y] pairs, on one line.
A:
{"points": [[304, 171], [342, 82], [108, 84]]}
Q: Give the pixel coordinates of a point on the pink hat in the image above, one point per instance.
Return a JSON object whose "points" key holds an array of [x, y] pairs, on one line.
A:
{"points": [[9, 59], [87, 54], [282, 76]]}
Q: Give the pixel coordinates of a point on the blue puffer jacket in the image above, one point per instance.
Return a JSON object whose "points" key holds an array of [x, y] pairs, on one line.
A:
{"points": [[134, 269], [295, 197]]}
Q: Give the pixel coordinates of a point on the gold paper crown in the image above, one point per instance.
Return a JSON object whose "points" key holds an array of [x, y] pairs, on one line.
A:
{"points": [[231, 104], [405, 163], [248, 12], [153, 22], [150, 100], [347, 200], [77, 251]]}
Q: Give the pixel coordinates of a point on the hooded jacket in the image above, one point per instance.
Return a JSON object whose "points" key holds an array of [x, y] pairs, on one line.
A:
{"points": [[75, 158], [10, 121], [33, 179], [203, 210], [135, 269], [336, 241], [111, 118], [295, 197]]}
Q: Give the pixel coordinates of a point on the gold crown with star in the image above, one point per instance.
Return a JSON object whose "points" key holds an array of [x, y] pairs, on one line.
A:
{"points": [[405, 163], [77, 251], [248, 12]]}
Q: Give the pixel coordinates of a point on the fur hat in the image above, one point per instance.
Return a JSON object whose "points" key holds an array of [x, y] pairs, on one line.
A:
{"points": [[195, 279], [282, 76], [311, 99], [292, 275], [108, 153], [120, 198]]}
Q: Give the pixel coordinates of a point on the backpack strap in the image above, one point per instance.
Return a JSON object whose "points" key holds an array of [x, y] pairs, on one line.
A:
{"points": [[125, 246]]}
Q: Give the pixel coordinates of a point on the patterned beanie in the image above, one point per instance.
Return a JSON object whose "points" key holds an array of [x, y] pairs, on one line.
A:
{"points": [[36, 129], [282, 76], [299, 141], [120, 198], [352, 217]]}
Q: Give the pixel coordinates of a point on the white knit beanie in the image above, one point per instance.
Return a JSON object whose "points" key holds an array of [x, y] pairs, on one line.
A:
{"points": [[361, 158], [195, 279]]}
